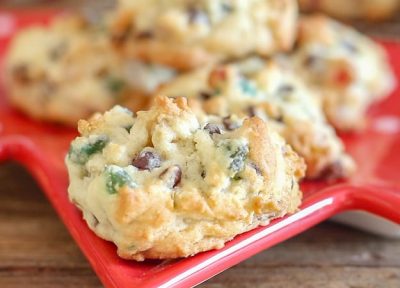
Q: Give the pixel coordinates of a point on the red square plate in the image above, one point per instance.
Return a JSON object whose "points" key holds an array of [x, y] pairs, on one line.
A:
{"points": [[42, 147]]}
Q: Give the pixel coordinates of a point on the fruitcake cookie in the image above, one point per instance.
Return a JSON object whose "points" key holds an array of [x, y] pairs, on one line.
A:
{"points": [[162, 184], [347, 69], [353, 9], [62, 77], [70, 71], [269, 90], [186, 34]]}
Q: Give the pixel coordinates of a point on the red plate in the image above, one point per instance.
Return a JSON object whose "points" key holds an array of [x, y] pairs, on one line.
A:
{"points": [[41, 148]]}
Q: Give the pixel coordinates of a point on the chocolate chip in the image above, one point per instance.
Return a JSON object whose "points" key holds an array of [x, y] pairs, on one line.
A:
{"points": [[279, 118], [310, 61], [285, 88], [229, 124], [172, 176], [128, 128], [21, 74], [147, 160], [57, 51], [296, 46], [251, 111], [144, 35], [119, 37], [102, 72], [204, 95], [213, 128], [198, 16], [203, 174], [255, 167]]}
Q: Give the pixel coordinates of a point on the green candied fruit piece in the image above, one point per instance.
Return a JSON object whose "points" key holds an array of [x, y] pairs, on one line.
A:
{"points": [[116, 178], [238, 158], [115, 85], [248, 87], [82, 154], [237, 152]]}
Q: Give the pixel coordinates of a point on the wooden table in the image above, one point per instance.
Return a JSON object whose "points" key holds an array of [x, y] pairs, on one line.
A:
{"points": [[37, 251]]}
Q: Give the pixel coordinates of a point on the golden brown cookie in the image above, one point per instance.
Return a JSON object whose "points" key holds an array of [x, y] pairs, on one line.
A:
{"points": [[70, 71], [187, 34], [347, 70], [164, 184], [270, 90]]}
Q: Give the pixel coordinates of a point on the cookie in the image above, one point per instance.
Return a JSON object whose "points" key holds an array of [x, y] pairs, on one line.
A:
{"points": [[162, 184], [348, 70], [270, 90], [144, 77], [360, 9], [187, 34], [71, 71]]}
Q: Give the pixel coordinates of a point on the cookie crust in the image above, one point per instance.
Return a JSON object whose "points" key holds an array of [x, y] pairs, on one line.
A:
{"points": [[170, 188]]}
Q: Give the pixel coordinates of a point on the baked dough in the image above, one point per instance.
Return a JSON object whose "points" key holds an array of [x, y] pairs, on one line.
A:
{"points": [[162, 184], [68, 71], [270, 90]]}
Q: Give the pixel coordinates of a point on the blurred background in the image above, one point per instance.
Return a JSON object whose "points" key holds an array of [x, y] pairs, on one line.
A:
{"points": [[32, 3], [386, 24]]}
